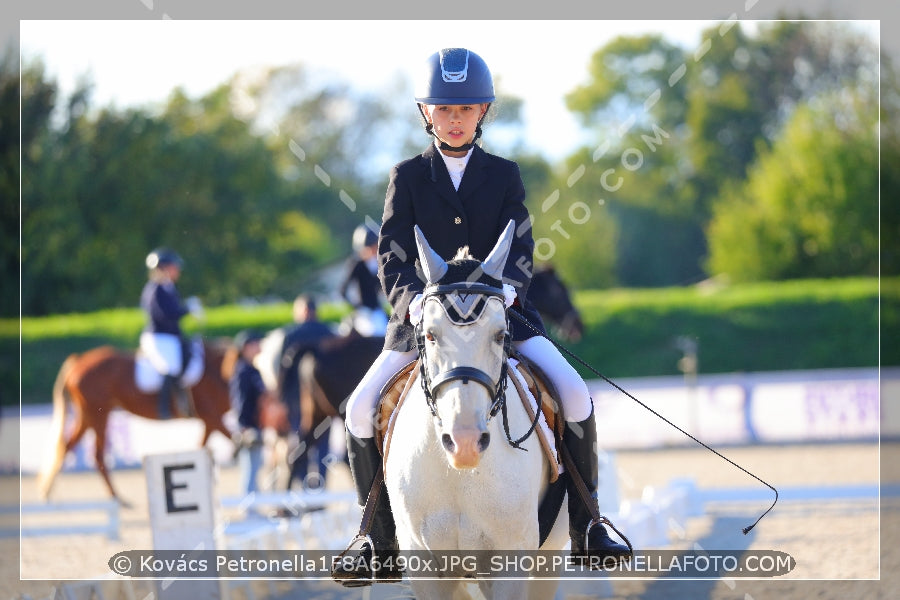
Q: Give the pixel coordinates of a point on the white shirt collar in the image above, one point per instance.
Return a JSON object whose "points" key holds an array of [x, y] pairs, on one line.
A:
{"points": [[455, 166]]}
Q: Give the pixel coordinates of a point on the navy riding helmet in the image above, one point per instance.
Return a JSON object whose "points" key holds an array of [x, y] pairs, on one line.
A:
{"points": [[161, 257], [455, 76], [363, 236]]}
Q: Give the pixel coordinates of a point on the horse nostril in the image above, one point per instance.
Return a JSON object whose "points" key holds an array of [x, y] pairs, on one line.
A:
{"points": [[447, 441], [484, 441]]}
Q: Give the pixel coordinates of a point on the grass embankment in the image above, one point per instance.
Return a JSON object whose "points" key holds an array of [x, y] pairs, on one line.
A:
{"points": [[808, 324], [754, 327]]}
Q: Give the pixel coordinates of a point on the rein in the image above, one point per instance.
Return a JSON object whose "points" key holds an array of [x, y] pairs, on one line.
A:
{"points": [[562, 348], [497, 390]]}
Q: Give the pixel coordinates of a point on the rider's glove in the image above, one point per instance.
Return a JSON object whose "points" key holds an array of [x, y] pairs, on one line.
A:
{"points": [[509, 292], [195, 307], [415, 310]]}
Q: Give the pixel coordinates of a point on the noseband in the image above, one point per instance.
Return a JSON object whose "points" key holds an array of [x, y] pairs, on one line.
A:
{"points": [[496, 389]]}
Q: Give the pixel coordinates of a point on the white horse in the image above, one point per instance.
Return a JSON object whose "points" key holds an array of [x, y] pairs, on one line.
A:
{"points": [[454, 480], [268, 361]]}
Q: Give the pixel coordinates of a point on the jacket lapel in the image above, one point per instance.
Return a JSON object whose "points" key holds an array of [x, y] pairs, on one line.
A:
{"points": [[475, 175], [436, 172]]}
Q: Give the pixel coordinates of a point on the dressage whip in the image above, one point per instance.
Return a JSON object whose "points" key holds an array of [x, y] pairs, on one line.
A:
{"points": [[562, 348]]}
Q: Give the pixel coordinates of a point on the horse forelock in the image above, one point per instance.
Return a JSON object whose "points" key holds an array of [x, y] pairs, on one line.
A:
{"points": [[463, 254], [468, 270], [460, 307]]}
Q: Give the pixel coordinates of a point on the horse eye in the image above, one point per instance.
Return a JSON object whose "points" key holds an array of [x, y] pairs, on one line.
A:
{"points": [[429, 336], [500, 336]]}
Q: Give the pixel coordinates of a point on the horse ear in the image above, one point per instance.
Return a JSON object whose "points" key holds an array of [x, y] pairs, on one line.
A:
{"points": [[494, 264], [433, 265]]}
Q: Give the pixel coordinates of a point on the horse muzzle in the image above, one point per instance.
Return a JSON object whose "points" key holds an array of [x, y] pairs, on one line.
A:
{"points": [[464, 443], [464, 446]]}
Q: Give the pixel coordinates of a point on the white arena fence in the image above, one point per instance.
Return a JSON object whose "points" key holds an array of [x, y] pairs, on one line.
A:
{"points": [[722, 409], [53, 518]]}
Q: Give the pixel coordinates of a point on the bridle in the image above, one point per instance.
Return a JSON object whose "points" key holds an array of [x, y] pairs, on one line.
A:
{"points": [[430, 386], [496, 389]]}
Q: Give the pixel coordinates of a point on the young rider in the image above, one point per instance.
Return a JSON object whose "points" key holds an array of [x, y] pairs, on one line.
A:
{"points": [[361, 286], [459, 195], [162, 341]]}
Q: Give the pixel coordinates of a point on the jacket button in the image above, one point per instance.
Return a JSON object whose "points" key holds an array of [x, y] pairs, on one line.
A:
{"points": [[457, 220]]}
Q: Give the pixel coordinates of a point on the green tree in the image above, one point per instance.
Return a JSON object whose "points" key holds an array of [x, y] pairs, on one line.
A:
{"points": [[106, 187], [745, 88], [636, 177], [38, 98], [257, 184], [572, 231], [330, 136], [677, 128], [809, 207]]}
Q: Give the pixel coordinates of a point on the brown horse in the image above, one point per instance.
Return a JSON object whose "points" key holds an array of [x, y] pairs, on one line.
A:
{"points": [[102, 379]]}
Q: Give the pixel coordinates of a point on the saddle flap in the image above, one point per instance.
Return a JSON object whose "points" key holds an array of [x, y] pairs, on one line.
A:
{"points": [[541, 386], [533, 386], [388, 400]]}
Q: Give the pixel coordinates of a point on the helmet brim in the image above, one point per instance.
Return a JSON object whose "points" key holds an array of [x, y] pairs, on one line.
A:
{"points": [[454, 101]]}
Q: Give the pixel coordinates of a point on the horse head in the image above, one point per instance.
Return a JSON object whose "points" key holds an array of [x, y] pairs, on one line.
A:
{"points": [[463, 339]]}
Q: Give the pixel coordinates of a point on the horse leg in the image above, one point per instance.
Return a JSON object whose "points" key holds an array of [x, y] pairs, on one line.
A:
{"points": [[273, 453], [322, 437], [298, 460], [316, 445], [210, 426], [99, 427], [310, 421], [79, 427]]}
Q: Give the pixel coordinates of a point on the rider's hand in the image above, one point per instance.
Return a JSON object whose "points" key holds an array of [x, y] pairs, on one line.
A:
{"points": [[509, 293], [195, 307], [415, 309]]}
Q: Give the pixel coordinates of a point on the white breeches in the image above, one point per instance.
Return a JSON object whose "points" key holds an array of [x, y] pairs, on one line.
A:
{"points": [[360, 416], [574, 395], [163, 350]]}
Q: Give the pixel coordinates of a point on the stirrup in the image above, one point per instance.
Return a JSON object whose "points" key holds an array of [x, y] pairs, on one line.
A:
{"points": [[351, 577], [360, 537], [606, 562]]}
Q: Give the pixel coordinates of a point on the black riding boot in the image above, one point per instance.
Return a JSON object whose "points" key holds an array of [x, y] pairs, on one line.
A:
{"points": [[354, 568], [182, 399], [588, 541], [165, 397]]}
